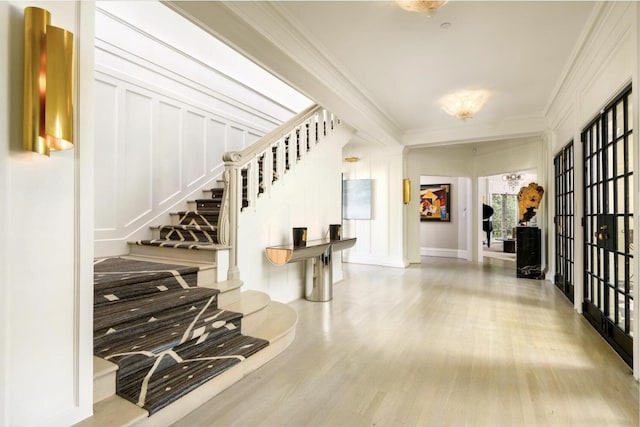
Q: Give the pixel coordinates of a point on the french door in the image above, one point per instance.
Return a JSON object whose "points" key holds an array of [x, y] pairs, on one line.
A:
{"points": [[608, 214], [564, 220]]}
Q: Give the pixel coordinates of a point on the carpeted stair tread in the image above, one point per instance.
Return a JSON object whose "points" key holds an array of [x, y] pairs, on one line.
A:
{"points": [[118, 278], [113, 272], [188, 227], [176, 373], [136, 356], [166, 335], [174, 326], [163, 243], [145, 308]]}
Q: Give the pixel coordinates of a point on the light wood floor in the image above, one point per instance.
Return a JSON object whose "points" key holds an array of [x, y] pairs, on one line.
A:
{"points": [[447, 343]]}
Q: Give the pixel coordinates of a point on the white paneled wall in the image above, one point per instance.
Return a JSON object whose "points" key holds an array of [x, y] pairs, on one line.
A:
{"points": [[380, 239], [306, 195], [164, 119]]}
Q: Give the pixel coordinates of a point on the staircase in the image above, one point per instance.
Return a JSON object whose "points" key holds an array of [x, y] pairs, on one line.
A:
{"points": [[167, 339], [172, 327]]}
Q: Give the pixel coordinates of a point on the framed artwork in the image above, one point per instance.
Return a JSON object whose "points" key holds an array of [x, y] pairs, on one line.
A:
{"points": [[356, 198], [435, 202]]}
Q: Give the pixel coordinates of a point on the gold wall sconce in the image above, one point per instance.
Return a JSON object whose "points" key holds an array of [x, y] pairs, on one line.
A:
{"points": [[406, 191], [48, 84]]}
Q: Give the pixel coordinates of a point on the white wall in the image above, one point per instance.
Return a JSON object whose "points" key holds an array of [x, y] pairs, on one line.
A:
{"points": [[605, 63], [168, 106], [46, 252], [307, 195], [381, 239]]}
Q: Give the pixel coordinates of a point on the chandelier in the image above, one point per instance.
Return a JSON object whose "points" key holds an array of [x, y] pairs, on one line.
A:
{"points": [[513, 180], [421, 6], [465, 103]]}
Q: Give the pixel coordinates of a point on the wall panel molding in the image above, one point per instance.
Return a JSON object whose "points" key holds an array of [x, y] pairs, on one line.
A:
{"points": [[164, 120]]}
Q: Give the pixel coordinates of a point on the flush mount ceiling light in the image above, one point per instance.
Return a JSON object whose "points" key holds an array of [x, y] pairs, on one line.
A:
{"points": [[465, 103], [421, 6]]}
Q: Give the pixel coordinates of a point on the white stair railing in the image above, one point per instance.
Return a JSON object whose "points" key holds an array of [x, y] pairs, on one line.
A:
{"points": [[254, 170]]}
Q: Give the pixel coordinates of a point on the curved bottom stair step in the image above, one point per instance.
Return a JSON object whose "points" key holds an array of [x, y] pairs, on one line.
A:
{"points": [[279, 337], [278, 328], [252, 305], [114, 412]]}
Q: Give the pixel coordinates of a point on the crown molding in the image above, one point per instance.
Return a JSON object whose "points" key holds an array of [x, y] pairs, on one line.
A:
{"points": [[262, 32], [467, 132]]}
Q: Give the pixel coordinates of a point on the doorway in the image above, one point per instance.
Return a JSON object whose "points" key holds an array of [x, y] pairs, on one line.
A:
{"points": [[608, 216], [499, 195]]}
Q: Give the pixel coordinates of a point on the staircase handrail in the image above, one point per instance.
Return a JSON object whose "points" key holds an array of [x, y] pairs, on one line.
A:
{"points": [[254, 170], [241, 158]]}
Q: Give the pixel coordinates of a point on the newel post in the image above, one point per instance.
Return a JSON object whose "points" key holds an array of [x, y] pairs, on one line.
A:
{"points": [[233, 192]]}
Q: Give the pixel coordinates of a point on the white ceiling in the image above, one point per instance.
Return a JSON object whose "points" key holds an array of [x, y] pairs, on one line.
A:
{"points": [[393, 65]]}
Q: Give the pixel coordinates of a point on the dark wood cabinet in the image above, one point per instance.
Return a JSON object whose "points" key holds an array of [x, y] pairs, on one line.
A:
{"points": [[529, 253]]}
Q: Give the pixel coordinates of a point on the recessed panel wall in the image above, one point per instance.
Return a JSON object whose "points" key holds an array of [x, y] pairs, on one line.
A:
{"points": [[136, 173], [215, 145], [236, 139], [106, 125], [193, 142], [162, 126], [167, 173]]}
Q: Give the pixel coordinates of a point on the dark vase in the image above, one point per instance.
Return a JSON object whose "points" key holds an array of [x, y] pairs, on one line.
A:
{"points": [[335, 232], [299, 236]]}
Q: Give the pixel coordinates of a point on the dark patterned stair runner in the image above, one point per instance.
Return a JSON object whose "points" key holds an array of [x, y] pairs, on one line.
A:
{"points": [[166, 335], [195, 229]]}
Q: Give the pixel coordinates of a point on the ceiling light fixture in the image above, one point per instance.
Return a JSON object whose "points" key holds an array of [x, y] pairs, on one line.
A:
{"points": [[421, 6], [464, 104], [513, 180]]}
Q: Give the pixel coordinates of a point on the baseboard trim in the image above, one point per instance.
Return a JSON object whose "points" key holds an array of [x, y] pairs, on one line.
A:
{"points": [[446, 253]]}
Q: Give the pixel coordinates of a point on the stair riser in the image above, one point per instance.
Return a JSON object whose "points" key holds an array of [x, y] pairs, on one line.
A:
{"points": [[194, 218], [207, 277], [213, 193], [188, 235], [229, 297], [207, 204], [104, 386], [251, 321], [177, 254]]}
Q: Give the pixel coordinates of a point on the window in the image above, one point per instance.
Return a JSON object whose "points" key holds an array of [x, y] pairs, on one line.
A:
{"points": [[505, 215]]}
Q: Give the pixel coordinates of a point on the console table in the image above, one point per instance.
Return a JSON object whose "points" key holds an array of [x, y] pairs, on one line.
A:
{"points": [[317, 255]]}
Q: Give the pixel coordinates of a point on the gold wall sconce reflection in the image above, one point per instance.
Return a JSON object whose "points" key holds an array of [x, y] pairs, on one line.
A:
{"points": [[406, 191], [48, 84]]}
